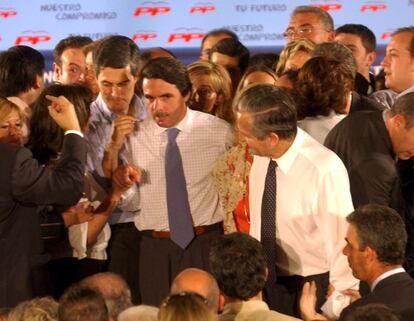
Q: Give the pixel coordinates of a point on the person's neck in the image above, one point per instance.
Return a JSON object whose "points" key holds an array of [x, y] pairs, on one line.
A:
{"points": [[257, 297], [282, 147], [379, 270]]}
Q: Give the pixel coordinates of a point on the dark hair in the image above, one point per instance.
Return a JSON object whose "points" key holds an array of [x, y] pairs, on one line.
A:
{"points": [[323, 86], [77, 42], [116, 52], [168, 69], [80, 303], [363, 32], [404, 106], [272, 110], [372, 312], [217, 32], [324, 16], [409, 30], [233, 48], [268, 59], [252, 69], [19, 67], [237, 262], [336, 51], [46, 137], [382, 229]]}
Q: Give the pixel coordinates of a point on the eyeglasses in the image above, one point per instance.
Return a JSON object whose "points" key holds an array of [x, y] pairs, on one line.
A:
{"points": [[300, 31], [182, 295]]}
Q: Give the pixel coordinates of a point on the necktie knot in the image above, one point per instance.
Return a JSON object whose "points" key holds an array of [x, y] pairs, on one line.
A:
{"points": [[272, 164], [172, 134]]}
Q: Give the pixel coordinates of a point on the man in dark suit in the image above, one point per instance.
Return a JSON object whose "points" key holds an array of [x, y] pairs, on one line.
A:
{"points": [[24, 185], [369, 144], [376, 241]]}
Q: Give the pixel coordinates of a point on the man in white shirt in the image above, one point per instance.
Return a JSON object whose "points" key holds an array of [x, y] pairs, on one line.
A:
{"points": [[200, 139], [310, 205]]}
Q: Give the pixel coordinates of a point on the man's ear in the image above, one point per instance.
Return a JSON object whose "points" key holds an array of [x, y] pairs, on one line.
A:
{"points": [[187, 96], [331, 36], [370, 254], [57, 71], [274, 138], [371, 57], [266, 273], [221, 303], [38, 82]]}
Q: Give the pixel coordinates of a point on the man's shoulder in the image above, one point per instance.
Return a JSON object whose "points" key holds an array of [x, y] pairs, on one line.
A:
{"points": [[207, 120]]}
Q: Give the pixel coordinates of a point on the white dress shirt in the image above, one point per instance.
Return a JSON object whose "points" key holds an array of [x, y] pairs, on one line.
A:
{"points": [[313, 199], [202, 139], [320, 126]]}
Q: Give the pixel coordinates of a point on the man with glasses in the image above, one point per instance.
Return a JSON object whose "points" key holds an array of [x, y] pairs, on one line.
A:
{"points": [[311, 23]]}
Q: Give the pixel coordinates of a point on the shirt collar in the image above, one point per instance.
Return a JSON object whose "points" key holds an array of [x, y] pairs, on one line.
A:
{"points": [[408, 90], [386, 275], [285, 161]]}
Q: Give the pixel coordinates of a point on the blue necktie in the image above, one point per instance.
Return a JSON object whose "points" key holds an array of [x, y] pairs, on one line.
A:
{"points": [[268, 221], [179, 214]]}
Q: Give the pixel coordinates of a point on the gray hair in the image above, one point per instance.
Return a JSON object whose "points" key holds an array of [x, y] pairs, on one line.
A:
{"points": [[324, 17]]}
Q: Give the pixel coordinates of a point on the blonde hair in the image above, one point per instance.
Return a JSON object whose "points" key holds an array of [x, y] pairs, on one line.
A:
{"points": [[304, 45], [7, 107], [186, 306], [38, 309], [221, 83]]}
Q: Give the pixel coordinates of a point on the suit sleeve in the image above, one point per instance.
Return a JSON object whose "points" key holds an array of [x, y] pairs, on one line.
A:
{"points": [[61, 184]]}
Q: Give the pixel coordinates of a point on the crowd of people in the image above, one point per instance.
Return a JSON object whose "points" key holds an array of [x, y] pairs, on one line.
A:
{"points": [[239, 187]]}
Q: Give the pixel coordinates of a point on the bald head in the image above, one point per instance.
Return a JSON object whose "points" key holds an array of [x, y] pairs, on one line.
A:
{"points": [[198, 281], [114, 290]]}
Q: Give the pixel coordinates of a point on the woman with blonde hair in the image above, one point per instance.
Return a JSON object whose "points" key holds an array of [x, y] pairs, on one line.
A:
{"points": [[294, 56], [186, 306], [212, 89], [11, 123]]}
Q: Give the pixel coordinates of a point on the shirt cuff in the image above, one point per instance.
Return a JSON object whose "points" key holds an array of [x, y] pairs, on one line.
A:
{"points": [[76, 132]]}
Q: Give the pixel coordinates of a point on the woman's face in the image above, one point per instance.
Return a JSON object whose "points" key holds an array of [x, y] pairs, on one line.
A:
{"points": [[11, 129], [258, 77], [203, 97]]}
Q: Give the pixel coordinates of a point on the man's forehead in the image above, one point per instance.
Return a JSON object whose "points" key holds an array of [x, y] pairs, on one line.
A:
{"points": [[305, 18]]}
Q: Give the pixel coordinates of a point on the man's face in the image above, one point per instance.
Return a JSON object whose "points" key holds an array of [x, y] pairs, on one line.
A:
{"points": [[209, 43], [90, 78], [73, 67], [398, 63], [164, 101], [231, 64], [363, 58], [117, 87], [356, 256], [258, 146], [402, 138], [307, 26]]}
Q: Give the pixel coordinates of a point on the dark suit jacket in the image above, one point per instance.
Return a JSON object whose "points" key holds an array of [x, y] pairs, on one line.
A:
{"points": [[24, 185], [396, 291], [363, 103]]}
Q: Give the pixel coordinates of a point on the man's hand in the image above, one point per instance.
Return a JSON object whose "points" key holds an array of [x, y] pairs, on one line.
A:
{"points": [[354, 294], [124, 177], [307, 303], [123, 126], [63, 112]]}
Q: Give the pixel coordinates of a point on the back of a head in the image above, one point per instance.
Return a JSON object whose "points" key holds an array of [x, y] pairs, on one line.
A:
{"points": [[323, 87], [291, 48], [336, 51], [269, 59], [46, 137], [382, 229], [238, 264], [324, 16], [271, 108], [38, 309], [186, 306], [139, 313], [233, 48], [372, 312], [19, 67], [198, 281], [218, 32], [75, 42], [79, 303], [169, 70], [114, 290], [366, 35], [116, 52]]}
